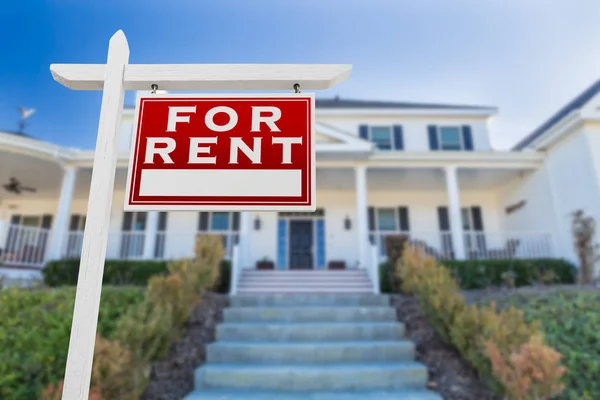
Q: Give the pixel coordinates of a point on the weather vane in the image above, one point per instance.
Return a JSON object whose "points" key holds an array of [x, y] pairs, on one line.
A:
{"points": [[25, 113]]}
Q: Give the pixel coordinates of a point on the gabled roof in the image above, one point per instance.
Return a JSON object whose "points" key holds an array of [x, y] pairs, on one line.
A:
{"points": [[574, 105], [336, 102]]}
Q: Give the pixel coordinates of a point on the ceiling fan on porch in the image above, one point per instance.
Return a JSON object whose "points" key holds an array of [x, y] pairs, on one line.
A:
{"points": [[15, 186]]}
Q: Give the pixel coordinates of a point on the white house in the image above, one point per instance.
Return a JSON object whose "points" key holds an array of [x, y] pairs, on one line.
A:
{"points": [[427, 170]]}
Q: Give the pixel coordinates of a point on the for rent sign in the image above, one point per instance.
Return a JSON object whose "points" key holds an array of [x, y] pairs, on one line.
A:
{"points": [[223, 152]]}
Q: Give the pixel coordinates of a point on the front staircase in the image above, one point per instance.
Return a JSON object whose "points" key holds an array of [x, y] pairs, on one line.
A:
{"points": [[253, 281], [336, 346]]}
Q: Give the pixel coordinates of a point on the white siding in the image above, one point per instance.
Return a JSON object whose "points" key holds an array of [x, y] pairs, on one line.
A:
{"points": [[415, 128]]}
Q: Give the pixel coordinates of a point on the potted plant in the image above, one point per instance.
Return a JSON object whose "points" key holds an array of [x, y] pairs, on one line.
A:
{"points": [[265, 263], [337, 264]]}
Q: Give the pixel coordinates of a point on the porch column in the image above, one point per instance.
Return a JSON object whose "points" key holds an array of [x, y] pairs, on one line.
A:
{"points": [[150, 234], [244, 235], [63, 213], [458, 240], [362, 215]]}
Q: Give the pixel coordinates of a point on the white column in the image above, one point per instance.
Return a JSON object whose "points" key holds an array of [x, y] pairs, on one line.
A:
{"points": [[362, 215], [150, 234], [458, 240], [244, 242], [63, 214]]}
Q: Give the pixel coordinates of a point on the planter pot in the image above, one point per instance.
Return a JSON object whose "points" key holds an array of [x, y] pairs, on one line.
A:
{"points": [[336, 265], [265, 265]]}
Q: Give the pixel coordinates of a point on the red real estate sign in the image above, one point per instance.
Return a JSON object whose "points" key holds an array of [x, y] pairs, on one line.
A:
{"points": [[223, 152]]}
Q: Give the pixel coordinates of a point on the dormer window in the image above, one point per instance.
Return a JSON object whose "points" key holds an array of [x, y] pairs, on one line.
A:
{"points": [[384, 137], [450, 138]]}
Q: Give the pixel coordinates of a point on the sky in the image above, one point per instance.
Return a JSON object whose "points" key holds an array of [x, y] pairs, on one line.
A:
{"points": [[527, 58]]}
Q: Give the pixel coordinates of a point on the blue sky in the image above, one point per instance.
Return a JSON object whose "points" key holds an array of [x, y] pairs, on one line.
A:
{"points": [[527, 58]]}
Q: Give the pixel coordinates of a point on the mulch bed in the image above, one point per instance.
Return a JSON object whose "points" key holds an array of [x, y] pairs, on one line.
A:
{"points": [[449, 374], [172, 378]]}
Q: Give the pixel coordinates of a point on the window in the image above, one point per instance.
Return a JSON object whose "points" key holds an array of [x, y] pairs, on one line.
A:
{"points": [[450, 138], [133, 234], [219, 221], [382, 137], [386, 219], [466, 219], [224, 223]]}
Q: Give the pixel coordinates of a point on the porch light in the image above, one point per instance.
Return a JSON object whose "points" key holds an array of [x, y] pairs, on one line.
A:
{"points": [[347, 223], [257, 223]]}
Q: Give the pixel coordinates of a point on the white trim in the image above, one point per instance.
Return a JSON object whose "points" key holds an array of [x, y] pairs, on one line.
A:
{"points": [[558, 131], [438, 113], [351, 142]]}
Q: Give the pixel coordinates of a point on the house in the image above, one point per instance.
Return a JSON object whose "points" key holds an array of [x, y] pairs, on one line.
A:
{"points": [[426, 170]]}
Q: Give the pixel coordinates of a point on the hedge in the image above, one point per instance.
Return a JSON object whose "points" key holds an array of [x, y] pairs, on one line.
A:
{"points": [[480, 274], [121, 272], [571, 324], [35, 328]]}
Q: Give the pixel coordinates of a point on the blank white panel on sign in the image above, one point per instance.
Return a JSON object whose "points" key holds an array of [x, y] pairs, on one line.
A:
{"points": [[220, 182]]}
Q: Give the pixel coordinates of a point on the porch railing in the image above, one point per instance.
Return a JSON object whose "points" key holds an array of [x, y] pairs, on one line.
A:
{"points": [[24, 246], [478, 244], [132, 245]]}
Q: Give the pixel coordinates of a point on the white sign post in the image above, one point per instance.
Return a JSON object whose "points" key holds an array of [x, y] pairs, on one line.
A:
{"points": [[113, 78]]}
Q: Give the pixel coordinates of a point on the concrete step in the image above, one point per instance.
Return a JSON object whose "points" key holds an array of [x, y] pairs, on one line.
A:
{"points": [[307, 377], [397, 394], [310, 352], [304, 290], [309, 332], [309, 314], [321, 299]]}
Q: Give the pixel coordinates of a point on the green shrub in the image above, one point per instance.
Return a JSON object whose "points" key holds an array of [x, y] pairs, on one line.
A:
{"points": [[116, 272], [394, 246], [479, 274], [35, 328], [571, 324], [123, 272]]}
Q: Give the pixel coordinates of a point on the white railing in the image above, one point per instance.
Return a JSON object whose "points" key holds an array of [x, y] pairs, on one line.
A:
{"points": [[235, 269], [374, 273], [24, 246], [508, 245], [73, 244], [132, 245], [478, 244]]}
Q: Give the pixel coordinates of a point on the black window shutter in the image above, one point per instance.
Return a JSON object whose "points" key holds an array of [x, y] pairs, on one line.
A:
{"points": [[477, 218], [363, 132], [15, 219], [162, 221], [443, 219], [127, 221], [46, 221], [74, 224], [403, 219], [467, 137], [203, 222], [398, 137], [371, 211], [236, 221], [433, 137]]}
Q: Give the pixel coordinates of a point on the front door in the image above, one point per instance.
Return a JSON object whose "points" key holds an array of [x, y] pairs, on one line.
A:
{"points": [[301, 244]]}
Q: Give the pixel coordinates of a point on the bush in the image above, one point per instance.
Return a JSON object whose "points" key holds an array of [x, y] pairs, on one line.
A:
{"points": [[480, 274], [116, 272], [123, 272], [571, 324], [394, 246], [35, 327], [480, 333]]}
